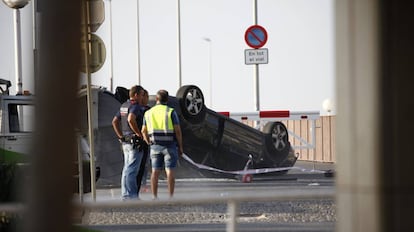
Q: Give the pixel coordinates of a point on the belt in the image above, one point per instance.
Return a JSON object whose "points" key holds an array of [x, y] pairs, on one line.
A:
{"points": [[128, 138]]}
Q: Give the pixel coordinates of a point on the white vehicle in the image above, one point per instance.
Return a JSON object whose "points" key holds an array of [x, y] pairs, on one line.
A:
{"points": [[16, 125], [16, 132]]}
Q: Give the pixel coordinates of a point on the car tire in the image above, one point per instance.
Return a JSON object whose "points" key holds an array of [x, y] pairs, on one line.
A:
{"points": [[277, 140], [191, 102]]}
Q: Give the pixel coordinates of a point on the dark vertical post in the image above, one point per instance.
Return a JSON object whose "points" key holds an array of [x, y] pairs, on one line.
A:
{"points": [[54, 150], [397, 23]]}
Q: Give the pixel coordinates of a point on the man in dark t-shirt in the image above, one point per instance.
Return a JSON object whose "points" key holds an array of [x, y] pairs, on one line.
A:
{"points": [[127, 125]]}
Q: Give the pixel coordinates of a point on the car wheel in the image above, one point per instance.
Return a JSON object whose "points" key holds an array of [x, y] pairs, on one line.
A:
{"points": [[191, 101], [277, 140]]}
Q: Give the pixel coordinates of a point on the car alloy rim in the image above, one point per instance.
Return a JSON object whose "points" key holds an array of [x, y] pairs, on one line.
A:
{"points": [[194, 102], [279, 137]]}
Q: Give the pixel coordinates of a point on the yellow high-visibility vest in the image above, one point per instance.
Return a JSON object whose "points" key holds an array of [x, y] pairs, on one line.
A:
{"points": [[159, 124]]}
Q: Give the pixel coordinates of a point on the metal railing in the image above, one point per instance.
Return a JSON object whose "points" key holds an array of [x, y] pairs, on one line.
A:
{"points": [[232, 202]]}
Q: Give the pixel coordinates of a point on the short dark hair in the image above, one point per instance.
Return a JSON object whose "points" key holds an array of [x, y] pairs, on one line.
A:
{"points": [[162, 95], [135, 90]]}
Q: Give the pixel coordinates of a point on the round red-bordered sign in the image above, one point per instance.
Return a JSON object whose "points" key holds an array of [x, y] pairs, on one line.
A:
{"points": [[255, 36]]}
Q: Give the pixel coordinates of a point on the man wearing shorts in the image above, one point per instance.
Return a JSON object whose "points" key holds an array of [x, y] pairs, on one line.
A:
{"points": [[161, 129]]}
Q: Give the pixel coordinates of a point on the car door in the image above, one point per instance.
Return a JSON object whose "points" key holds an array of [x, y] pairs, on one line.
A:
{"points": [[17, 127]]}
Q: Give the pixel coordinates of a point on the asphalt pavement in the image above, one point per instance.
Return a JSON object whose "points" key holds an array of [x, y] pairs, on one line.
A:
{"points": [[301, 200]]}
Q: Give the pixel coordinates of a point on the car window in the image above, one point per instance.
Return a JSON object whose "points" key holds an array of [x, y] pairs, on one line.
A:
{"points": [[21, 118]]}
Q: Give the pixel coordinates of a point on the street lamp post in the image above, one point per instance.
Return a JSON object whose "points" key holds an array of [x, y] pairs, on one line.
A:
{"points": [[16, 5], [179, 43], [210, 75]]}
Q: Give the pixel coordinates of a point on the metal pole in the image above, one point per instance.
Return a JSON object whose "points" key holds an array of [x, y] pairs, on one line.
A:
{"points": [[313, 128], [232, 210], [210, 75], [87, 47], [210, 70], [138, 48], [80, 168], [179, 43], [17, 50], [110, 38], [256, 66], [35, 45]]}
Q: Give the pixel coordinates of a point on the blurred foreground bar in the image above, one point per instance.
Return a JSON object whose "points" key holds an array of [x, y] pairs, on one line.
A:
{"points": [[49, 194]]}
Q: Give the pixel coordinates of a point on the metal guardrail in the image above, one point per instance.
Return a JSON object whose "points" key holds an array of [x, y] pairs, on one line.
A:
{"points": [[232, 202]]}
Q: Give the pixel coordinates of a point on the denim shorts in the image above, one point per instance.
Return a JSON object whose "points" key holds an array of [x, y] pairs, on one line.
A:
{"points": [[164, 156]]}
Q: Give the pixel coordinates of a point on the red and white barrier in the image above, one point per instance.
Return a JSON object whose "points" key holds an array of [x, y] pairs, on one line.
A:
{"points": [[272, 115], [279, 115]]}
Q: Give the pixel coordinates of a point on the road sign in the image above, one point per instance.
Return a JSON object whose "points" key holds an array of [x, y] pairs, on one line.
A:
{"points": [[256, 56], [98, 54], [96, 14], [255, 36]]}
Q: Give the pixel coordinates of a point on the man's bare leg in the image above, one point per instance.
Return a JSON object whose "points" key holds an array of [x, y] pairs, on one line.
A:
{"points": [[171, 181], [154, 183]]}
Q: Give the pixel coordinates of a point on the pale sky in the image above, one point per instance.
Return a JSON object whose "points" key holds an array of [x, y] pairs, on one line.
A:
{"points": [[298, 77]]}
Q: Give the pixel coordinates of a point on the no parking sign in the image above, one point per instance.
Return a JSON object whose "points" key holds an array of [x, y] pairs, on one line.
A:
{"points": [[255, 36]]}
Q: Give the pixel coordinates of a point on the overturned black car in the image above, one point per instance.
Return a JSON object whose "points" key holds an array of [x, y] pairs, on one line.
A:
{"points": [[215, 145], [222, 145]]}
